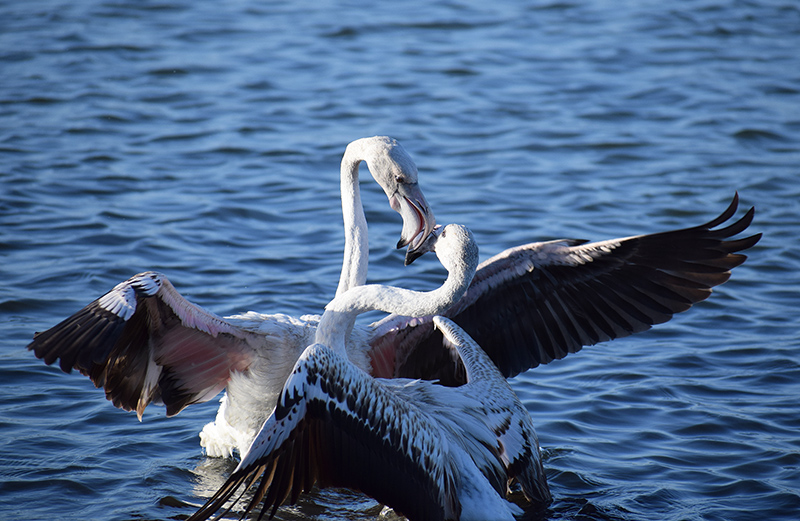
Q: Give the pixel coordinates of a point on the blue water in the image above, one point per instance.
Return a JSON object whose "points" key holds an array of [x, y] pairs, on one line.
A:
{"points": [[202, 139]]}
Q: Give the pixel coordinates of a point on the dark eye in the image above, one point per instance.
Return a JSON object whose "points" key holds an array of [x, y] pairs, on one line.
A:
{"points": [[400, 179]]}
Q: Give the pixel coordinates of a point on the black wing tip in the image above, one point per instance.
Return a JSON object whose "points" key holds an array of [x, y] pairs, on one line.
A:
{"points": [[752, 240], [729, 212], [685, 280], [224, 494], [732, 246], [737, 226]]}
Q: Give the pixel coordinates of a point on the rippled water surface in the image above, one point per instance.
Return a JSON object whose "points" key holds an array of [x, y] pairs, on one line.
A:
{"points": [[202, 139]]}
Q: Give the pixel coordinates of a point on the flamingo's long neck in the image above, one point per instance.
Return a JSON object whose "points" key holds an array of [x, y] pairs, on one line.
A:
{"points": [[356, 241], [341, 312]]}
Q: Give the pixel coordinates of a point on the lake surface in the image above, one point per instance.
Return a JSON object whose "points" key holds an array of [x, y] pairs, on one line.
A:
{"points": [[202, 139]]}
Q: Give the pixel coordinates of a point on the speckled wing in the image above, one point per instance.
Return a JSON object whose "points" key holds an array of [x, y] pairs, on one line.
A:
{"points": [[334, 425], [143, 342], [535, 303], [501, 411]]}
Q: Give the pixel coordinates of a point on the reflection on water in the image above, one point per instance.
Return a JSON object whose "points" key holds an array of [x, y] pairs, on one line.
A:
{"points": [[328, 504], [203, 140]]}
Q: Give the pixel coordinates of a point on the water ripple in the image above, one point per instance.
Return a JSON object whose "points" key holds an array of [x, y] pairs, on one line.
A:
{"points": [[203, 140]]}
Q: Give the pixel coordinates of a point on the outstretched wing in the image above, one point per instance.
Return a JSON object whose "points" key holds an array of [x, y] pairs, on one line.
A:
{"points": [[334, 425], [538, 302], [143, 342]]}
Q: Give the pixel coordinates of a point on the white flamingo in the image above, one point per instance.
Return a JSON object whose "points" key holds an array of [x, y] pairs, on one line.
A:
{"points": [[143, 342], [428, 451]]}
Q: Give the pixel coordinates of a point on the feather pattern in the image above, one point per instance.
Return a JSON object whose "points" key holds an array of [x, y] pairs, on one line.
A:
{"points": [[538, 302], [451, 451], [142, 342], [335, 426]]}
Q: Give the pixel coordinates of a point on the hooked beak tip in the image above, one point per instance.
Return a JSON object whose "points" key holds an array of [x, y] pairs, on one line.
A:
{"points": [[427, 244], [412, 255]]}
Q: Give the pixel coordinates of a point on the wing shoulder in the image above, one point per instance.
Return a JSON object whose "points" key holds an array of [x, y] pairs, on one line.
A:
{"points": [[143, 342]]}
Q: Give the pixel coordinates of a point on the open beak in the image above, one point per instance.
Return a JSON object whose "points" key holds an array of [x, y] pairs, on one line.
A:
{"points": [[427, 245], [418, 219]]}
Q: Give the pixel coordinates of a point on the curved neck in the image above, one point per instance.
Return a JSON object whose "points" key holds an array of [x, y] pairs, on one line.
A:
{"points": [[356, 242], [342, 310]]}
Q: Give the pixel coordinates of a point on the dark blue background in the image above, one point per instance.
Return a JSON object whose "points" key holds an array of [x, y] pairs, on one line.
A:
{"points": [[202, 139]]}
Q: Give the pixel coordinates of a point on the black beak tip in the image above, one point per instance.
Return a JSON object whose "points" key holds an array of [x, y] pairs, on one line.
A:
{"points": [[411, 256]]}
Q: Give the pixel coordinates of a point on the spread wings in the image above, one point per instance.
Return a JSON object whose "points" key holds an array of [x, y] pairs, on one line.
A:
{"points": [[538, 302], [334, 425], [143, 342]]}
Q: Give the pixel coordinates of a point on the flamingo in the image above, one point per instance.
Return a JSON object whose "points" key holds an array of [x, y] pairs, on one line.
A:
{"points": [[145, 343], [426, 450]]}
